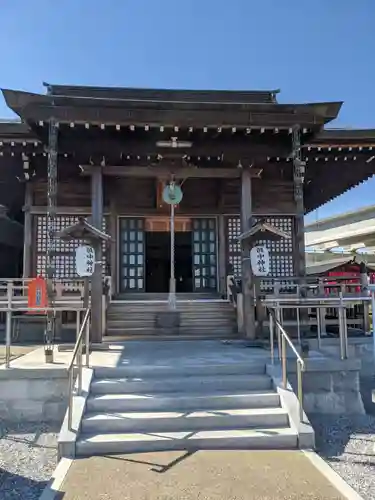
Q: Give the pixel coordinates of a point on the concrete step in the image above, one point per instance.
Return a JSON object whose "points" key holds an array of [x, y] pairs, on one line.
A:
{"points": [[183, 324], [174, 421], [215, 332], [198, 324], [189, 312], [260, 438], [182, 402], [193, 307], [145, 296], [209, 321], [147, 334], [252, 367], [188, 383], [117, 336], [126, 317]]}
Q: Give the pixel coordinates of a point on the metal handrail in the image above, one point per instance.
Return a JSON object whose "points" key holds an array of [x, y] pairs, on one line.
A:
{"points": [[77, 353], [303, 302], [14, 303], [282, 338]]}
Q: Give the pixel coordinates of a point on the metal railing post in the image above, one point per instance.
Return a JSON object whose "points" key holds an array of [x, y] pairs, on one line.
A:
{"points": [[83, 330], [278, 320], [300, 389], [70, 403], [79, 354], [87, 341], [373, 321], [286, 340], [271, 328], [319, 326], [284, 359], [8, 331], [345, 323], [341, 328], [298, 326]]}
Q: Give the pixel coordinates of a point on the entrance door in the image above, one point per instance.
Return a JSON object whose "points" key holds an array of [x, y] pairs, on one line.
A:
{"points": [[183, 262], [204, 255], [158, 261], [132, 255]]}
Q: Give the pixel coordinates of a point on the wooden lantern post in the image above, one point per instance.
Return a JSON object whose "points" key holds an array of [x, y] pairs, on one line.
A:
{"points": [[83, 230], [259, 231]]}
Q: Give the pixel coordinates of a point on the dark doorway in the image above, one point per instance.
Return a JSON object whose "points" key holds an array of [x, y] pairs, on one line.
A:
{"points": [[158, 255]]}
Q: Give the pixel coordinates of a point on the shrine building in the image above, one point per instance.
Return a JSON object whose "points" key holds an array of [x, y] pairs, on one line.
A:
{"points": [[239, 157]]}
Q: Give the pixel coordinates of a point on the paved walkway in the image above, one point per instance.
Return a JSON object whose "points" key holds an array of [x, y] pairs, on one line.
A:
{"points": [[203, 475], [16, 351], [156, 353]]}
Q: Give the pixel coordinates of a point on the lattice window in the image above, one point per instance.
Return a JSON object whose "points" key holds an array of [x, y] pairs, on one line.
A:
{"points": [[204, 254], [281, 251], [234, 248], [65, 250], [132, 254]]}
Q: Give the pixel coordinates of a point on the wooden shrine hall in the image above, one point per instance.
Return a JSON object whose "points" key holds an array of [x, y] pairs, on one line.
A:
{"points": [[239, 157]]}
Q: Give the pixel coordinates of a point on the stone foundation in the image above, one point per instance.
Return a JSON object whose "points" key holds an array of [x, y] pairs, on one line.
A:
{"points": [[359, 347], [330, 386], [33, 395]]}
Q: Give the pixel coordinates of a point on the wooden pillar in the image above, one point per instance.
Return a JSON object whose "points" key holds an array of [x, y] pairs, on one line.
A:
{"points": [[222, 259], [247, 275], [28, 232], [114, 244], [299, 226], [97, 279]]}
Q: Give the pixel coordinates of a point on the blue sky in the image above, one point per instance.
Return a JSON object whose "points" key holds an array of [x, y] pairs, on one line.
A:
{"points": [[317, 50]]}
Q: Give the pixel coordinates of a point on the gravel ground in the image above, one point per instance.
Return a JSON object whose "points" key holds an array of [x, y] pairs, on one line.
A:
{"points": [[28, 457], [347, 443]]}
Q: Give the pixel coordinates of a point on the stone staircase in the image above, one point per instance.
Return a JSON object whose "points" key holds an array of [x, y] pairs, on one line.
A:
{"points": [[198, 318], [159, 408]]}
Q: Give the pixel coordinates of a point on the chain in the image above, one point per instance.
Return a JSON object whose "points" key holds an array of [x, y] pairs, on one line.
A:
{"points": [[172, 283], [51, 231], [299, 176], [299, 165]]}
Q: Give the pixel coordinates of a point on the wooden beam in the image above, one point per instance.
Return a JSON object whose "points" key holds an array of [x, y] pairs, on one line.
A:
{"points": [[344, 145], [186, 116], [179, 172], [101, 144]]}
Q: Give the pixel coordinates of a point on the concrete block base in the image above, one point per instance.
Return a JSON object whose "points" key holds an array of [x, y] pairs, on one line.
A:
{"points": [[167, 322], [33, 395], [330, 386]]}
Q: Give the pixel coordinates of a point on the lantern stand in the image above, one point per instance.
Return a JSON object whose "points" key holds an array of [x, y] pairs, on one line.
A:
{"points": [[260, 231], [83, 230]]}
